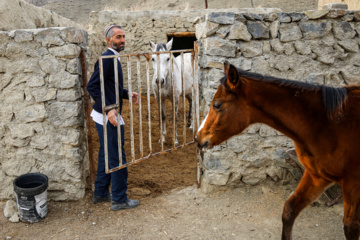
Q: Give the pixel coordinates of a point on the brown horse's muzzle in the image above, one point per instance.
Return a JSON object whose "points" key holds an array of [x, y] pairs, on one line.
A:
{"points": [[202, 145]]}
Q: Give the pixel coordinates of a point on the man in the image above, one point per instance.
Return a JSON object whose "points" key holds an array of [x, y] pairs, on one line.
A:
{"points": [[115, 39]]}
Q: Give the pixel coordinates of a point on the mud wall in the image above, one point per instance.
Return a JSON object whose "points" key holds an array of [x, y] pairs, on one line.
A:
{"points": [[314, 46]]}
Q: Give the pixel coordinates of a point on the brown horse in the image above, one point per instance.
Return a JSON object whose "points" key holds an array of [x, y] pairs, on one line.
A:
{"points": [[323, 122]]}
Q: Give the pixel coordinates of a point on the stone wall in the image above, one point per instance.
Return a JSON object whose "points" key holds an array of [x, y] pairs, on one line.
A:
{"points": [[42, 117], [315, 46], [140, 28]]}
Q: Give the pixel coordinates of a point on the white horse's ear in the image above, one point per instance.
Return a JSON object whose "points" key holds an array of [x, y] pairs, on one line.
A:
{"points": [[169, 45], [152, 46]]}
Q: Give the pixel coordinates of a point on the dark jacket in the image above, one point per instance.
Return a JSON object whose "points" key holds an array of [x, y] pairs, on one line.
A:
{"points": [[94, 87]]}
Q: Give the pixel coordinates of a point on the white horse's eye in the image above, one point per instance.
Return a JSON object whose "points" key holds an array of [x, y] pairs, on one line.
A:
{"points": [[152, 59], [168, 59]]}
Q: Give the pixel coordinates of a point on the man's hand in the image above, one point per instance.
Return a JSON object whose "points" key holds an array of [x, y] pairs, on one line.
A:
{"points": [[135, 97], [112, 116]]}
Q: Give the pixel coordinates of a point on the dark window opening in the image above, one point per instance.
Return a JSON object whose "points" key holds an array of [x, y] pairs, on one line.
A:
{"points": [[182, 41]]}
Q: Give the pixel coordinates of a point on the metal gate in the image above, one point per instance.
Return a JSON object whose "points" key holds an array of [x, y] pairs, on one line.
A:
{"points": [[145, 57]]}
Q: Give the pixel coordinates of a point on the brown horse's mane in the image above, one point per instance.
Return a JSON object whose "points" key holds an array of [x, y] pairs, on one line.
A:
{"points": [[334, 98]]}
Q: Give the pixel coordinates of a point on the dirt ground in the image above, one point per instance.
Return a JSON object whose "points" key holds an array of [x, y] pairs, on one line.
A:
{"points": [[183, 213]]}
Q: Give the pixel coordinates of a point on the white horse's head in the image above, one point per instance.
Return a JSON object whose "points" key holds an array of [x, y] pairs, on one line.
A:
{"points": [[164, 61]]}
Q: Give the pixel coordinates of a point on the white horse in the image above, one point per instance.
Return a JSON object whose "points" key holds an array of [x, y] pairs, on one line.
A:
{"points": [[166, 89]]}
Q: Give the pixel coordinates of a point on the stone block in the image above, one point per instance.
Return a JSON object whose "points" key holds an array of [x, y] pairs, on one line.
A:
{"points": [[69, 95], [21, 131], [66, 51], [326, 59], [63, 80], [317, 78], [302, 48], [221, 17], [350, 76], [49, 37], [40, 141], [313, 30], [253, 17], [10, 208], [43, 94], [357, 16], [289, 32], [216, 178], [33, 113], [35, 81], [338, 13], [316, 14], [74, 66], [18, 163], [223, 31], [258, 30], [277, 46], [343, 30], [219, 47], [51, 65], [23, 36], [350, 45], [239, 31], [65, 114], [334, 5], [274, 29], [270, 17], [296, 17], [251, 49], [284, 17], [74, 35]]}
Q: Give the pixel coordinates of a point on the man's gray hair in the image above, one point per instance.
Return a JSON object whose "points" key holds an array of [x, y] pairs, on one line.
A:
{"points": [[109, 31]]}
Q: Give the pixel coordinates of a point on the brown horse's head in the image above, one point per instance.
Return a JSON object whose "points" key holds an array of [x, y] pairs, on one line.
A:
{"points": [[228, 113]]}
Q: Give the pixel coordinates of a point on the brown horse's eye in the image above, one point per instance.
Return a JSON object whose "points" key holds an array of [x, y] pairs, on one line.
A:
{"points": [[217, 105]]}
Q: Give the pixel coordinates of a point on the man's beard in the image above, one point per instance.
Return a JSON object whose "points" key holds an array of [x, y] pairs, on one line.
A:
{"points": [[118, 47]]}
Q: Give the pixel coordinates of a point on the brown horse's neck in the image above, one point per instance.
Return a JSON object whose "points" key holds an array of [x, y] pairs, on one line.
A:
{"points": [[290, 110]]}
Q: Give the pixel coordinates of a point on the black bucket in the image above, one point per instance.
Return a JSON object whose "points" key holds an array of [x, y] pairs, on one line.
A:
{"points": [[31, 196]]}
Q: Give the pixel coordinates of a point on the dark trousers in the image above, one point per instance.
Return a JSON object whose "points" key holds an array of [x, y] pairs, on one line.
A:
{"points": [[118, 179]]}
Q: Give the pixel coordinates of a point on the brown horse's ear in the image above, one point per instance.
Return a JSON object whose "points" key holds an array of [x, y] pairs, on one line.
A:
{"points": [[232, 76]]}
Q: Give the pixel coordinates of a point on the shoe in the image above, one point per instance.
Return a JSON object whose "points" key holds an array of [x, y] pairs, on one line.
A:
{"points": [[97, 199], [129, 203]]}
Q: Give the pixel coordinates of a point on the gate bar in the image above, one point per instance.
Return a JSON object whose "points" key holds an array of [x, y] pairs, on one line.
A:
{"points": [[174, 114], [116, 70], [184, 103], [131, 110], [148, 99], [104, 114], [140, 108], [160, 105]]}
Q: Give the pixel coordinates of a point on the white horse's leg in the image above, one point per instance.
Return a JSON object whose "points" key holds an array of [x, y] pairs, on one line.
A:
{"points": [[163, 117], [176, 119], [189, 117]]}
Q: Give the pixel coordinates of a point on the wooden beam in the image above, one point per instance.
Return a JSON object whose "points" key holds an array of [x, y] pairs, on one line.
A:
{"points": [[181, 34]]}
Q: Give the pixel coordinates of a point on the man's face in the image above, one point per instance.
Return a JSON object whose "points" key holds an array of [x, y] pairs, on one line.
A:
{"points": [[117, 41]]}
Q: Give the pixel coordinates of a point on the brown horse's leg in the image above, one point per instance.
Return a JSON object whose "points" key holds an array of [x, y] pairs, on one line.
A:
{"points": [[310, 187], [351, 195]]}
